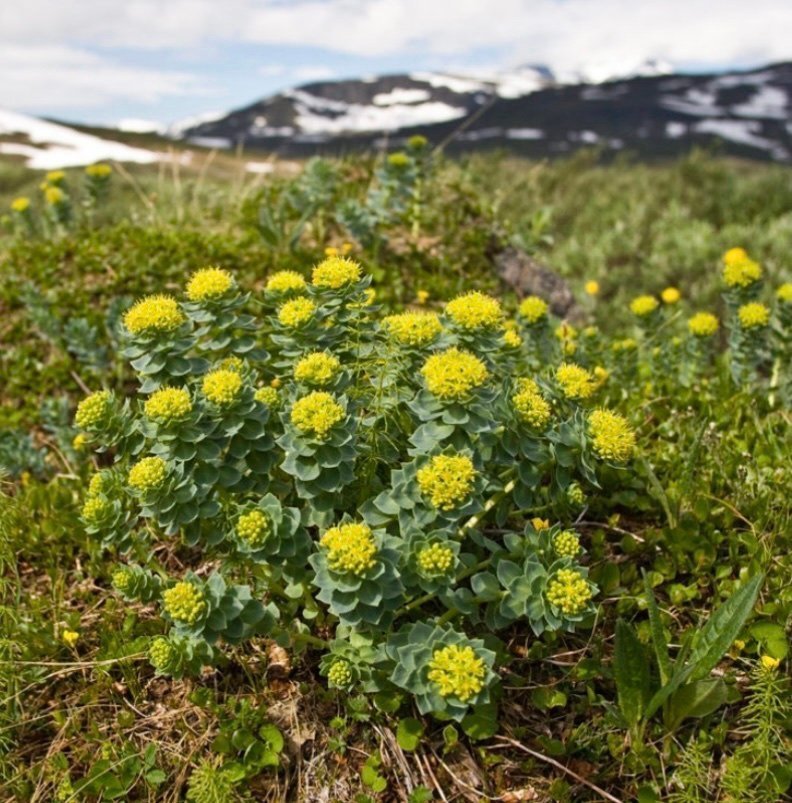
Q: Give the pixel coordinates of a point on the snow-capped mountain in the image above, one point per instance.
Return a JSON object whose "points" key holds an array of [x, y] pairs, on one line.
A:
{"points": [[529, 110]]}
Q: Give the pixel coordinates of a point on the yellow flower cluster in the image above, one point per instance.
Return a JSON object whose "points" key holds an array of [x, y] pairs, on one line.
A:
{"points": [[784, 293], [769, 664], [739, 270], [316, 414], [457, 671], [285, 281], [267, 395], [567, 334], [55, 177], [529, 404], [70, 637], [612, 435], [154, 315], [625, 344], [222, 387], [436, 559], [569, 591], [160, 653], [454, 373], [474, 311], [253, 528], [54, 196], [336, 272], [592, 287], [413, 328], [703, 324], [318, 368], [209, 284], [753, 315], [92, 410], [148, 474], [168, 404], [670, 295], [643, 306], [533, 309], [566, 544], [339, 674], [79, 441], [398, 160], [447, 480], [351, 548], [20, 205], [575, 382], [296, 313], [96, 485], [95, 509], [184, 602], [511, 339], [98, 171], [122, 579]]}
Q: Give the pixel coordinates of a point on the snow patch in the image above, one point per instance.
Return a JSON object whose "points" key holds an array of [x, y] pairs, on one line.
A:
{"points": [[399, 95], [525, 133], [744, 132], [675, 130], [769, 102], [134, 125]]}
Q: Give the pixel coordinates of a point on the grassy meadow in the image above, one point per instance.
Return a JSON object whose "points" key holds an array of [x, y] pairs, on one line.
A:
{"points": [[655, 671]]}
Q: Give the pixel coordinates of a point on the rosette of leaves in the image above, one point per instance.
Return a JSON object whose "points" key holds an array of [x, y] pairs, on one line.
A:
{"points": [[353, 662], [362, 600], [230, 612], [105, 513], [411, 650], [184, 439], [429, 566], [175, 656], [135, 582], [116, 428], [571, 456]]}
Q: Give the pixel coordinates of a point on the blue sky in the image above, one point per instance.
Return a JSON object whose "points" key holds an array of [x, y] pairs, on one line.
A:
{"points": [[100, 60]]}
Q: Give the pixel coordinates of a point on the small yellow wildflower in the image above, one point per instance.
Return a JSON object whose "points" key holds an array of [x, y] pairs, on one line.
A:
{"points": [[80, 441], [54, 196], [739, 270], [122, 580], [70, 637], [592, 287], [222, 387], [511, 339], [643, 306], [184, 602], [533, 309], [96, 484], [209, 284], [474, 311], [569, 591], [703, 324], [253, 528], [575, 382], [612, 436], [285, 281], [769, 664], [331, 251], [340, 674], [453, 374], [95, 509], [351, 548], [233, 363], [753, 315], [168, 405], [566, 544], [625, 344], [318, 369], [56, 177], [336, 272], [316, 414], [457, 671], [529, 404], [398, 160], [447, 480], [268, 396], [670, 295], [296, 313], [98, 170], [436, 559], [784, 293], [540, 524], [422, 296], [601, 375], [20, 205], [161, 653], [148, 474], [413, 328], [93, 410], [154, 315]]}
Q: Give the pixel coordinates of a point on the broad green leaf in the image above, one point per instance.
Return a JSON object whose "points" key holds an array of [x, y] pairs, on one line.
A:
{"points": [[631, 673], [658, 635], [696, 699], [409, 733]]}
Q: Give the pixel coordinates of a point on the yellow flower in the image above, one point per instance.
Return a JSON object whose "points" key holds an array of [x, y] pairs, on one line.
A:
{"points": [[398, 160], [148, 474], [643, 306], [168, 404], [93, 409], [55, 176], [670, 295], [413, 328], [784, 293], [296, 313], [422, 296], [453, 374], [253, 528], [346, 248], [184, 602], [436, 559], [351, 548], [70, 637], [575, 382], [96, 484], [457, 671], [209, 284], [268, 396], [98, 171], [529, 404], [753, 315], [20, 204], [533, 309], [335, 272], [154, 315], [331, 251], [769, 664], [601, 375], [566, 544], [316, 414], [447, 480], [592, 287], [54, 196], [161, 654], [612, 435], [233, 363], [569, 591], [222, 387], [95, 509], [474, 311], [80, 441], [319, 369], [340, 674], [285, 281], [703, 324], [739, 270], [511, 339], [540, 524], [626, 344]]}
